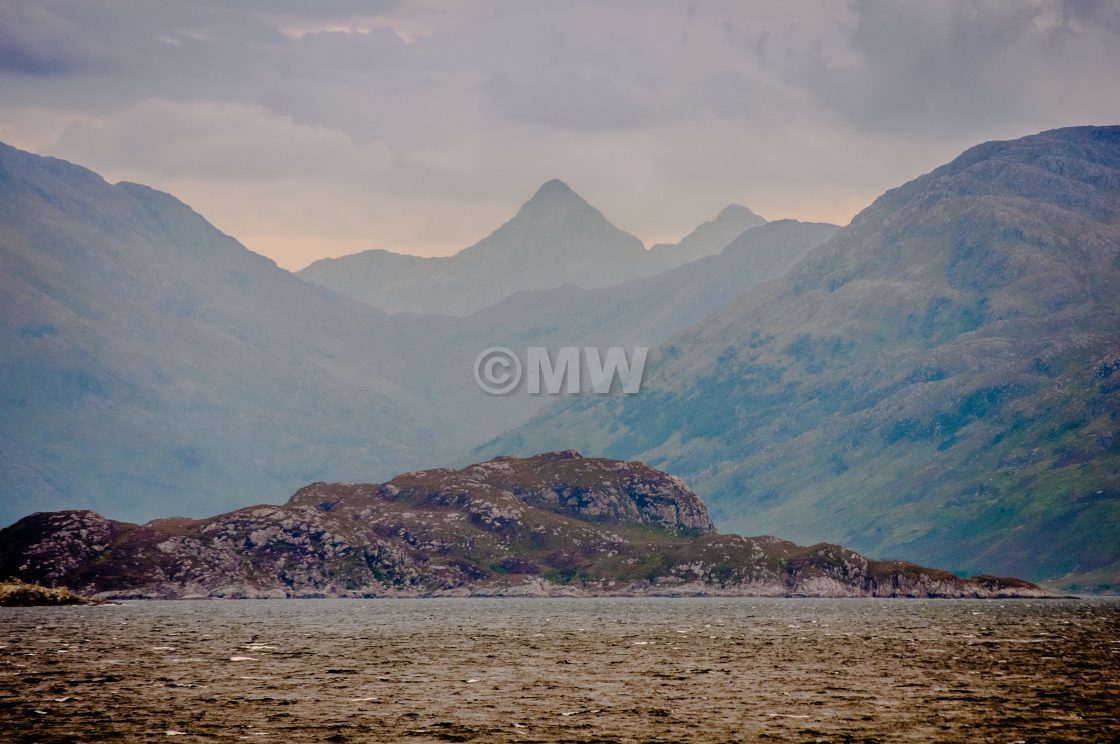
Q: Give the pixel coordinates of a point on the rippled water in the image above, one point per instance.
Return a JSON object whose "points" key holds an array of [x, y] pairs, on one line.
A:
{"points": [[563, 670]]}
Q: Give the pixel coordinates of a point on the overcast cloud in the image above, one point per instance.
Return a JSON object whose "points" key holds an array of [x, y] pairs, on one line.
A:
{"points": [[316, 129]]}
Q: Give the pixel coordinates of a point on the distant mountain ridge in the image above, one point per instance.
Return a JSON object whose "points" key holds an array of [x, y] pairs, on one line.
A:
{"points": [[709, 239], [641, 312], [936, 381], [553, 524], [150, 364], [555, 239]]}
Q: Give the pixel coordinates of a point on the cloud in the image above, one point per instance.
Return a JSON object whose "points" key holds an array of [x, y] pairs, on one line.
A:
{"points": [[311, 129], [34, 40], [219, 141], [566, 100], [972, 66], [301, 8], [281, 187]]}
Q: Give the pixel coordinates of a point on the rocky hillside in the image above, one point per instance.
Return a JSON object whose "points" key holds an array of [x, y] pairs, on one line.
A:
{"points": [[553, 524]]}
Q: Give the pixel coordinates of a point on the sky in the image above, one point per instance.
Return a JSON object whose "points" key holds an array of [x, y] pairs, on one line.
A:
{"points": [[314, 129]]}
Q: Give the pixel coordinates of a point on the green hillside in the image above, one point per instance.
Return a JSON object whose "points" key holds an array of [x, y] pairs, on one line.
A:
{"points": [[939, 382]]}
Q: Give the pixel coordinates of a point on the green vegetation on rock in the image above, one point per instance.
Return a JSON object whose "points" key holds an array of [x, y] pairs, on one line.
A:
{"points": [[553, 524]]}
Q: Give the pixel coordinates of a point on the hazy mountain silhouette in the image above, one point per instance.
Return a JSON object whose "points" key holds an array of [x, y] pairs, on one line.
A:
{"points": [[940, 380], [642, 312], [556, 238], [152, 364], [709, 239]]}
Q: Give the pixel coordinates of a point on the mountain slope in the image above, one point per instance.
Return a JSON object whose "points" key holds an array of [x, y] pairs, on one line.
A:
{"points": [[556, 523], [642, 312], [152, 365], [938, 381]]}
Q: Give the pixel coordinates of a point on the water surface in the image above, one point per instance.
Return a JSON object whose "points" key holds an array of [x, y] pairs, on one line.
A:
{"points": [[602, 670]]}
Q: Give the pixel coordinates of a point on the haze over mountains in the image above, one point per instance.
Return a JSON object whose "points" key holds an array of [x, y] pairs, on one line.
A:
{"points": [[936, 382], [940, 380], [153, 366], [642, 312], [556, 238], [709, 238]]}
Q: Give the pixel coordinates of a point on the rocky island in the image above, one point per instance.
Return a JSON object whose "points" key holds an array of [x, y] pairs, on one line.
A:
{"points": [[16, 593], [556, 524]]}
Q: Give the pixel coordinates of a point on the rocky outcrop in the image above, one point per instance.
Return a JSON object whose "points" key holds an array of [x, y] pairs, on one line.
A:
{"points": [[556, 524], [594, 490], [16, 593]]}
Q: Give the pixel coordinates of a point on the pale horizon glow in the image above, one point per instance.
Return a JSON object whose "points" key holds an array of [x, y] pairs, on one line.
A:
{"points": [[420, 126]]}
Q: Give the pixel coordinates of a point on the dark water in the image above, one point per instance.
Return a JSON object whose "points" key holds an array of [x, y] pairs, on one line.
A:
{"points": [[563, 670]]}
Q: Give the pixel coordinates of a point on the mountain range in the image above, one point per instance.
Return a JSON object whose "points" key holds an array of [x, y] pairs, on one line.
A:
{"points": [[152, 365], [940, 380], [936, 381]]}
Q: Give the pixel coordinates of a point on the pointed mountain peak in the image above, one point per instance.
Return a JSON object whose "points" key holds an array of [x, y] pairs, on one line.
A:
{"points": [[555, 192], [555, 200], [737, 211], [554, 188], [559, 225]]}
